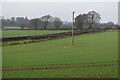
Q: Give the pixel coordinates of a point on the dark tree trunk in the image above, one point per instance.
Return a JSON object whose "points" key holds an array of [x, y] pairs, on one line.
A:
{"points": [[45, 27], [22, 27]]}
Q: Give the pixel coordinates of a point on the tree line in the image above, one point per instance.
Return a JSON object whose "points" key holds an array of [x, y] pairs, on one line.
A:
{"points": [[89, 20], [92, 20], [36, 23]]}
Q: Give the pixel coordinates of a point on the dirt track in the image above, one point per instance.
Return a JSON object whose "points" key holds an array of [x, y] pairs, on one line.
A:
{"points": [[57, 66]]}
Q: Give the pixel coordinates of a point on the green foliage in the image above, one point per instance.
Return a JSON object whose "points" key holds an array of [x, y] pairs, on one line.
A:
{"points": [[11, 27]]}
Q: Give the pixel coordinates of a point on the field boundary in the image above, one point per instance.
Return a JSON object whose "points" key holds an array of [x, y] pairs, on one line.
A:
{"points": [[39, 38]]}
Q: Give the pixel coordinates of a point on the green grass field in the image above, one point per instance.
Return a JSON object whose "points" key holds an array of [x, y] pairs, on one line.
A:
{"points": [[92, 56], [11, 27], [20, 33]]}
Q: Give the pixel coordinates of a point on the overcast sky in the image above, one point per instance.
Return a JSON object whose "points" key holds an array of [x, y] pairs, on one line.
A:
{"points": [[63, 10], [60, 0]]}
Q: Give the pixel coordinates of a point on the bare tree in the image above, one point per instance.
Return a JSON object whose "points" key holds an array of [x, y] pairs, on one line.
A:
{"points": [[21, 22], [80, 20], [34, 23], [46, 20], [90, 19], [93, 18], [57, 22]]}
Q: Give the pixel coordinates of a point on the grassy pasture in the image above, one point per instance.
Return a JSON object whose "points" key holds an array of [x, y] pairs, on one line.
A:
{"points": [[20, 33], [11, 27], [92, 56]]}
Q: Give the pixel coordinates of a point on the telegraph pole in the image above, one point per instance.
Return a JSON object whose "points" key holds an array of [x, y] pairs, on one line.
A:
{"points": [[1, 22], [73, 30]]}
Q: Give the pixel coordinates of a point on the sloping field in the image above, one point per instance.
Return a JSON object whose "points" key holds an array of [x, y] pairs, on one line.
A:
{"points": [[92, 56], [21, 33]]}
